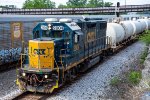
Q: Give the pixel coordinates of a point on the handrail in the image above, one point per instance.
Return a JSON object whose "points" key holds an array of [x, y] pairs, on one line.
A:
{"points": [[65, 55], [22, 59]]}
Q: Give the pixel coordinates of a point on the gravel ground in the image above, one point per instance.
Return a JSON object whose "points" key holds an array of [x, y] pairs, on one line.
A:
{"points": [[7, 82], [91, 86], [8, 87]]}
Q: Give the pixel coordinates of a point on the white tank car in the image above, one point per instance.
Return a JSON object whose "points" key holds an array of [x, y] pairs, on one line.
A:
{"points": [[147, 22], [143, 24], [136, 26], [128, 27], [116, 32]]}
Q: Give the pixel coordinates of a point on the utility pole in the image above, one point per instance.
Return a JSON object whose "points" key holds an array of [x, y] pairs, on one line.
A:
{"points": [[117, 9]]}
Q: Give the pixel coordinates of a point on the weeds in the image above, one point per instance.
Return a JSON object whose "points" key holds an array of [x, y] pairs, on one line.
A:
{"points": [[131, 77], [145, 37], [144, 55], [115, 81], [134, 77]]}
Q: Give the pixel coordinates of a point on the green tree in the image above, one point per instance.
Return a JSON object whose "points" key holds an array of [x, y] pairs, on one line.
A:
{"points": [[108, 4], [98, 3], [62, 6], [95, 3], [29, 4], [76, 3], [85, 3]]}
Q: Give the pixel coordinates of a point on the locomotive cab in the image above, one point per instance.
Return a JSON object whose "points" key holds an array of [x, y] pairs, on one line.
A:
{"points": [[53, 43]]}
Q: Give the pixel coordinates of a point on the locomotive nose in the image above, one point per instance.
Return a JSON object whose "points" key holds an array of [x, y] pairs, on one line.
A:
{"points": [[41, 54]]}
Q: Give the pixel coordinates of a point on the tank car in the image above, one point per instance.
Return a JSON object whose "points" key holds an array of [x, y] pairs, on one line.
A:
{"points": [[116, 32], [124, 32], [59, 50]]}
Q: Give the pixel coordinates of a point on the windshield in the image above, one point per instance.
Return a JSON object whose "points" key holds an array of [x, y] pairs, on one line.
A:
{"points": [[36, 34], [45, 33], [56, 34]]}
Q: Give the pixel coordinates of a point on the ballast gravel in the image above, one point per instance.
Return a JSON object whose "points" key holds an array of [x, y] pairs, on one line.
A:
{"points": [[91, 86], [8, 87]]}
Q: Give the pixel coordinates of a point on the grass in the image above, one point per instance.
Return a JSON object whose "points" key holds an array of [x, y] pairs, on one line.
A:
{"points": [[115, 81], [134, 77], [144, 55], [145, 37], [131, 77]]}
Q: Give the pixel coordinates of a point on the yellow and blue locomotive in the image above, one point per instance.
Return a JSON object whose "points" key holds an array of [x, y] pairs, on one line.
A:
{"points": [[60, 50]]}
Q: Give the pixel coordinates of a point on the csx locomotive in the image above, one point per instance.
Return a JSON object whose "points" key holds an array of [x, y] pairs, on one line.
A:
{"points": [[59, 50]]}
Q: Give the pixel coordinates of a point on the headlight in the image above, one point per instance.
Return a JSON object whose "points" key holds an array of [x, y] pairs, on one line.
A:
{"points": [[46, 76], [67, 43], [23, 74]]}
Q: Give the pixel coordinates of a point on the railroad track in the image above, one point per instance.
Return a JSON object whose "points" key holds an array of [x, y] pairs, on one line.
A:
{"points": [[31, 96]]}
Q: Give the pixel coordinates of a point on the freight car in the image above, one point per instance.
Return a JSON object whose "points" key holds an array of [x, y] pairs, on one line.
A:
{"points": [[125, 31], [61, 49]]}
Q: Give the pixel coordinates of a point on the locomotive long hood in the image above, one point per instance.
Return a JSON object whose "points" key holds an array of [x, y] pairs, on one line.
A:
{"points": [[41, 54]]}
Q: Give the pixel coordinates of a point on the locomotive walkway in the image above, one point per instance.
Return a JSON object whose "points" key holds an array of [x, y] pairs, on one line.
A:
{"points": [[74, 11]]}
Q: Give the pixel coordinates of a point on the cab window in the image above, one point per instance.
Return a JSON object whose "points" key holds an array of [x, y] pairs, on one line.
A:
{"points": [[45, 33], [57, 34], [36, 34], [77, 36], [67, 34]]}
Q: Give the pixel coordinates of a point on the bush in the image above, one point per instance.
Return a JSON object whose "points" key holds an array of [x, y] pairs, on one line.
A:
{"points": [[134, 77], [115, 81]]}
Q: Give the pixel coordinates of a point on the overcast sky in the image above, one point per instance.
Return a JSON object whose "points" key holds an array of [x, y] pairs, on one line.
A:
{"points": [[19, 3]]}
